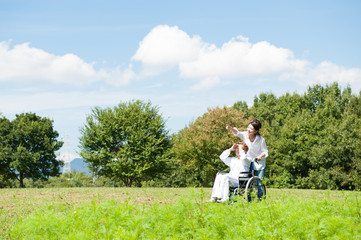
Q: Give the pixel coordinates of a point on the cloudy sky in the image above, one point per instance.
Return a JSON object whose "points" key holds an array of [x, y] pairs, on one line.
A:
{"points": [[60, 59]]}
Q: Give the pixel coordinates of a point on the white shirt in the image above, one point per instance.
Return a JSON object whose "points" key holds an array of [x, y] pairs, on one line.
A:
{"points": [[255, 148], [237, 165]]}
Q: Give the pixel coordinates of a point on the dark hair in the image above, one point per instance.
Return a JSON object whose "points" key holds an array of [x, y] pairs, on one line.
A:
{"points": [[257, 125]]}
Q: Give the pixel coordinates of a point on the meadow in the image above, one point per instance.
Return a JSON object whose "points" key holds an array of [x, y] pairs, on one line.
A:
{"points": [[176, 213]]}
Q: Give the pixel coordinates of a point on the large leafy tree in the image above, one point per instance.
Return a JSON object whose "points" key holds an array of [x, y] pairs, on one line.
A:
{"points": [[198, 146], [28, 146], [5, 151], [313, 139], [128, 142]]}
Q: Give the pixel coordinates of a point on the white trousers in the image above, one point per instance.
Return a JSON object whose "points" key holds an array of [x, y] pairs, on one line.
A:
{"points": [[221, 186]]}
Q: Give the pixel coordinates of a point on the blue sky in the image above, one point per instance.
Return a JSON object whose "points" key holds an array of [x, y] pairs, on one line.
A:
{"points": [[60, 59]]}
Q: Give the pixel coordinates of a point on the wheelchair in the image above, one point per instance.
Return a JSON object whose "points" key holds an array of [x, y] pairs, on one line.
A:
{"points": [[249, 186]]}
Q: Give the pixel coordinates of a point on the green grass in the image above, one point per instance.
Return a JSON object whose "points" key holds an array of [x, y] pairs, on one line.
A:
{"points": [[162, 213]]}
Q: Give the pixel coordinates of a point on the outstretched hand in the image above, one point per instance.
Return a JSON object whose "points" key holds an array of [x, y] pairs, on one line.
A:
{"points": [[231, 129]]}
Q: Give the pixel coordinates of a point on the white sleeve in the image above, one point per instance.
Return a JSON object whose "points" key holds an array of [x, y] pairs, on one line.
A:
{"points": [[240, 134], [224, 157]]}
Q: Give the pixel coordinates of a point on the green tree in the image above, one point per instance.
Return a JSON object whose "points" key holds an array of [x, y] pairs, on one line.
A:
{"points": [[128, 142], [28, 148], [336, 157], [5, 151], [290, 149], [197, 147], [313, 139]]}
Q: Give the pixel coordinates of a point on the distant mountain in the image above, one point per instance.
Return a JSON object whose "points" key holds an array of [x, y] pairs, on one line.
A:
{"points": [[79, 165]]}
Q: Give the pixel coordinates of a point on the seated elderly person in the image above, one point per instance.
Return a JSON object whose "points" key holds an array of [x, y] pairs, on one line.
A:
{"points": [[237, 164]]}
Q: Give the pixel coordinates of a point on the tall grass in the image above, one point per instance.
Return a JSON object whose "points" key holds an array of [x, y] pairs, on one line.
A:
{"points": [[184, 214]]}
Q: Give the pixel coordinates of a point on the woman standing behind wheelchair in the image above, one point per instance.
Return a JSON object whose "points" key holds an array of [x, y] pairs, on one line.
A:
{"points": [[257, 148]]}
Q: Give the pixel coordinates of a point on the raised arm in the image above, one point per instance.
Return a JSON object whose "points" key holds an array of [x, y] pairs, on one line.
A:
{"points": [[236, 133], [231, 129], [225, 155]]}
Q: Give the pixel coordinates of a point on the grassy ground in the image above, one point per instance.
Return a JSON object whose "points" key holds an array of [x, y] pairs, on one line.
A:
{"points": [[175, 212]]}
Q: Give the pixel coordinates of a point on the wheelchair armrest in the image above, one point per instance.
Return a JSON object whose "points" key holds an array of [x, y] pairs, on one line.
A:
{"points": [[249, 174]]}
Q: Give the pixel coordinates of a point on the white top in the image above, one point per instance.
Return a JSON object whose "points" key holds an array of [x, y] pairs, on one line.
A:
{"points": [[255, 148], [237, 165]]}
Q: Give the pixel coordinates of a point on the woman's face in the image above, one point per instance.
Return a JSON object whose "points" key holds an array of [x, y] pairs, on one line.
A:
{"points": [[251, 131]]}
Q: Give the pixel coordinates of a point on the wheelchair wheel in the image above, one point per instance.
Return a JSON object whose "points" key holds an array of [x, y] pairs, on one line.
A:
{"points": [[255, 189]]}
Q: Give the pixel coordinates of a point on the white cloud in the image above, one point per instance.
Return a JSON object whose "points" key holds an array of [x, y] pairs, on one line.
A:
{"points": [[167, 47], [325, 73], [118, 77], [239, 58], [23, 63]]}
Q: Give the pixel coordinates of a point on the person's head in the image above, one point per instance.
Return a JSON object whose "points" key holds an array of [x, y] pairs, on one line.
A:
{"points": [[241, 146], [254, 127]]}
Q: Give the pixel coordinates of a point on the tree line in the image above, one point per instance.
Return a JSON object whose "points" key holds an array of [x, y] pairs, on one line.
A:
{"points": [[314, 142]]}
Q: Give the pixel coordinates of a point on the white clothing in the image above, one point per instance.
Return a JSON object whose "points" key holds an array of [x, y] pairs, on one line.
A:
{"points": [[221, 187], [222, 181], [237, 165], [255, 148]]}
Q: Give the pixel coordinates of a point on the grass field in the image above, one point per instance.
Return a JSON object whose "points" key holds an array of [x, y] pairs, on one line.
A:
{"points": [[176, 213]]}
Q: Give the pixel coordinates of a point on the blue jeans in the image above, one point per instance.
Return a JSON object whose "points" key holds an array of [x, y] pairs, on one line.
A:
{"points": [[260, 174]]}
